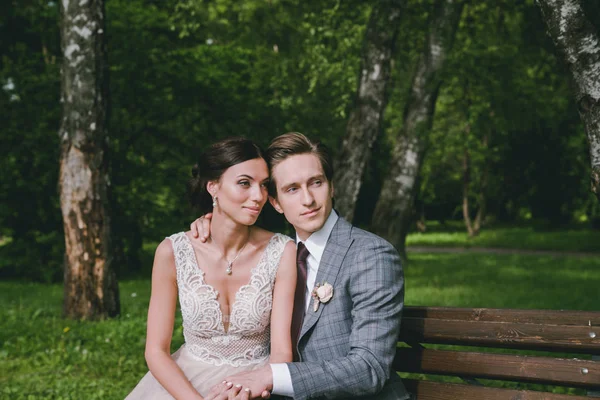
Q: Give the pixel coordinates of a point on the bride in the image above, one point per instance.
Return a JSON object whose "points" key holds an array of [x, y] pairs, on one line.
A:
{"points": [[236, 291]]}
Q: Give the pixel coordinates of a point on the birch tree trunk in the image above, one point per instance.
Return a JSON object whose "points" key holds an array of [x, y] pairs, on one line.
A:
{"points": [[393, 211], [90, 285], [365, 119], [573, 27]]}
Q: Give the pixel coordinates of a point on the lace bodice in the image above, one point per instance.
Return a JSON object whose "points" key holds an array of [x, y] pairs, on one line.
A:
{"points": [[247, 339]]}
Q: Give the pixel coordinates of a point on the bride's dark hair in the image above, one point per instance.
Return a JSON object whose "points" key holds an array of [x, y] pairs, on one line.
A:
{"points": [[213, 162]]}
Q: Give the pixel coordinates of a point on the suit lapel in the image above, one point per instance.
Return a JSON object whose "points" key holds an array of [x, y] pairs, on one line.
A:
{"points": [[335, 250]]}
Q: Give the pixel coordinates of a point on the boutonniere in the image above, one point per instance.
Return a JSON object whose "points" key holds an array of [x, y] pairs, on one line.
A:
{"points": [[322, 293]]}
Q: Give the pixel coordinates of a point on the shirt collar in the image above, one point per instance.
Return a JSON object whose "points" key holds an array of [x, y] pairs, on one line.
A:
{"points": [[316, 241]]}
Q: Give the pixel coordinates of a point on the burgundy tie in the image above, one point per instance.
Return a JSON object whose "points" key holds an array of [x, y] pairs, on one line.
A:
{"points": [[299, 297]]}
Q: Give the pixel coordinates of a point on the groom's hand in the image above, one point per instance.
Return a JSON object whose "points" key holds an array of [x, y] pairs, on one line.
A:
{"points": [[259, 381], [201, 227]]}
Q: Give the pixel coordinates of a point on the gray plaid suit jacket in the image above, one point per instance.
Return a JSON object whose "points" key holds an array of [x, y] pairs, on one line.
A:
{"points": [[348, 345]]}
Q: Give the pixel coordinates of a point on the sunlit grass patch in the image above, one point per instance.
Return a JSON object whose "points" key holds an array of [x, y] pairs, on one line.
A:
{"points": [[525, 238], [503, 281]]}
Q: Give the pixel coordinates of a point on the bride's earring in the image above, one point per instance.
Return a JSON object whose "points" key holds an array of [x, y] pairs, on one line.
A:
{"points": [[214, 201]]}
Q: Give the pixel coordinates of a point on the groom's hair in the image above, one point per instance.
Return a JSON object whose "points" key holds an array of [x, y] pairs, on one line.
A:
{"points": [[291, 144]]}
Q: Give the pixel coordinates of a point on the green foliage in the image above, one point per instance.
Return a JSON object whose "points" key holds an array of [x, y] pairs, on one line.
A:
{"points": [[29, 105], [187, 76], [506, 101], [184, 73]]}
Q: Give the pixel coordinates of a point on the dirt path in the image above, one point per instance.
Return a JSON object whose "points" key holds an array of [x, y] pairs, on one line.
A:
{"points": [[495, 250]]}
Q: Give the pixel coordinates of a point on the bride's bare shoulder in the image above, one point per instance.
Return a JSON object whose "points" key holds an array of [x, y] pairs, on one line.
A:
{"points": [[261, 236]]}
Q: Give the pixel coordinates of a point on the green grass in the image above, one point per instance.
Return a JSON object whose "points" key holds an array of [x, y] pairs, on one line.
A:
{"points": [[503, 281], [43, 356], [523, 238]]}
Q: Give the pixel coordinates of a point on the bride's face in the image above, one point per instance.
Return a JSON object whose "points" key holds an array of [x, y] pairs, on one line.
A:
{"points": [[241, 191]]}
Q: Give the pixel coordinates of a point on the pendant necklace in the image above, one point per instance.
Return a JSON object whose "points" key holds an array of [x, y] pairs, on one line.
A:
{"points": [[229, 269]]}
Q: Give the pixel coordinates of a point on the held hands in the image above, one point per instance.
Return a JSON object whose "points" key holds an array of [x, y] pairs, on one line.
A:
{"points": [[246, 385], [228, 391], [201, 227], [259, 381]]}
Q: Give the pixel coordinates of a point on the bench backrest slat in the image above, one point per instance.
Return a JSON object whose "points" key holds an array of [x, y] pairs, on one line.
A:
{"points": [[428, 390], [556, 317], [544, 370], [565, 338]]}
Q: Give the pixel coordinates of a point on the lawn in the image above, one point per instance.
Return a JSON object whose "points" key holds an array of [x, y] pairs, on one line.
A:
{"points": [[523, 238], [43, 356], [503, 281]]}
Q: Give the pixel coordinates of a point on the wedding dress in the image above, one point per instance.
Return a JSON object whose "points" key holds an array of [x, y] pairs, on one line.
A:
{"points": [[211, 351]]}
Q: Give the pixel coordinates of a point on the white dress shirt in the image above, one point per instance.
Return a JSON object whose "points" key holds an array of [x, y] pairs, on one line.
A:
{"points": [[282, 380]]}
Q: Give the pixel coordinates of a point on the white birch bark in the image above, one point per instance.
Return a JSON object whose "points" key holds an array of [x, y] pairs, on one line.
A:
{"points": [[394, 208], [572, 29], [365, 119], [90, 286]]}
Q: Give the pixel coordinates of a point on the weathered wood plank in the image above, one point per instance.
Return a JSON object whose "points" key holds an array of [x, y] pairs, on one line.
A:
{"points": [[553, 317], [564, 338], [545, 370], [427, 390]]}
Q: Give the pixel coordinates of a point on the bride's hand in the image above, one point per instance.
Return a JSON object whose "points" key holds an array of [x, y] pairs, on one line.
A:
{"points": [[201, 227], [259, 382], [227, 391]]}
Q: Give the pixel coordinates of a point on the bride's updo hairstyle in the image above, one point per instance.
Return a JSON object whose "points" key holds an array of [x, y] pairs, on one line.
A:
{"points": [[213, 162]]}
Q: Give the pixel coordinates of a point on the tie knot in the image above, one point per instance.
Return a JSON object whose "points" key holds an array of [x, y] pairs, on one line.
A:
{"points": [[302, 253]]}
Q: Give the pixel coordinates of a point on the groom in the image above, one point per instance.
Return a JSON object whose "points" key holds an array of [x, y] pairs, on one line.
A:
{"points": [[347, 331]]}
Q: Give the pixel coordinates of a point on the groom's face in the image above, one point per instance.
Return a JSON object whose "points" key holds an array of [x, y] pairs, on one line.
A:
{"points": [[304, 195]]}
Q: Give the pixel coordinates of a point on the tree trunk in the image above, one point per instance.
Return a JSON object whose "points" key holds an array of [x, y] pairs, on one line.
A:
{"points": [[365, 119], [474, 225], [393, 211], [421, 223], [480, 214], [466, 185], [483, 188], [572, 25], [90, 285]]}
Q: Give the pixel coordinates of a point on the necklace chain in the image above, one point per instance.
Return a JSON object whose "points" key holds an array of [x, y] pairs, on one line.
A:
{"points": [[229, 269]]}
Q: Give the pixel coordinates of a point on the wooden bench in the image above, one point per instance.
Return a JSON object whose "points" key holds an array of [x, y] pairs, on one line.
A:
{"points": [[553, 339]]}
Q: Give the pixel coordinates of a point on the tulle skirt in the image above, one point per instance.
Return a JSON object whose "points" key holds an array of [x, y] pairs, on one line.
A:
{"points": [[203, 376]]}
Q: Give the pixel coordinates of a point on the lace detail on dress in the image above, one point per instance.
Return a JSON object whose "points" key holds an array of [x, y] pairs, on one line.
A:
{"points": [[247, 339]]}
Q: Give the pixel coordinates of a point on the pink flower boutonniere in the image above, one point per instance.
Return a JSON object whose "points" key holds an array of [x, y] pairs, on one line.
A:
{"points": [[322, 293]]}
